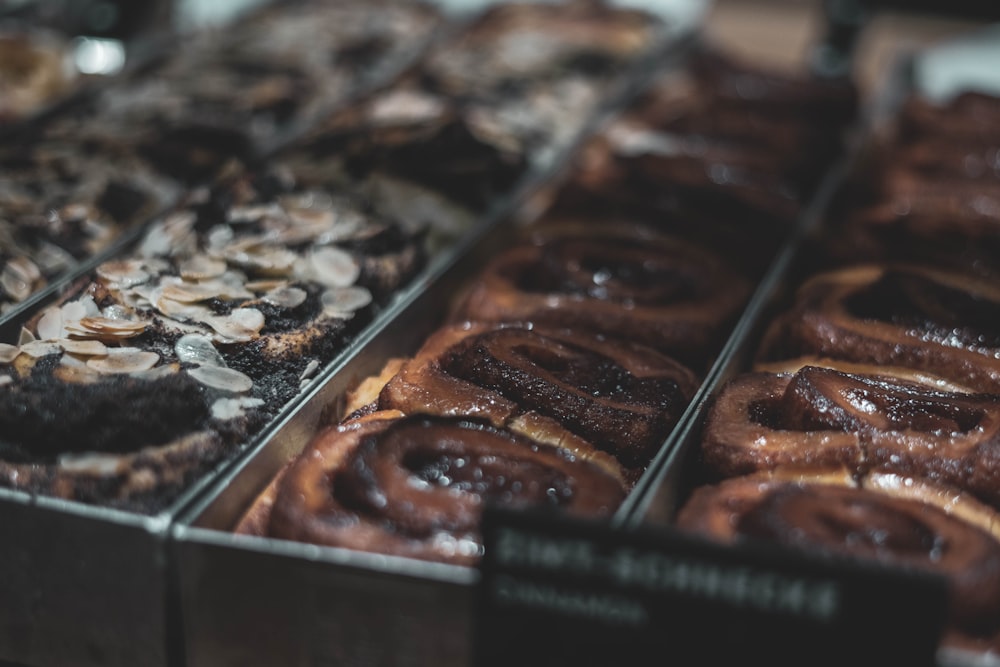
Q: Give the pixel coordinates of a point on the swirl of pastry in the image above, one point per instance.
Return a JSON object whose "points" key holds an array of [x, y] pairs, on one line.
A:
{"points": [[884, 419], [606, 399], [890, 519], [416, 486], [622, 280], [940, 322]]}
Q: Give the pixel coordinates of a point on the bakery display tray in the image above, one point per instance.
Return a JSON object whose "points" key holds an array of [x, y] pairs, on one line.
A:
{"points": [[251, 600], [86, 585], [680, 472]]}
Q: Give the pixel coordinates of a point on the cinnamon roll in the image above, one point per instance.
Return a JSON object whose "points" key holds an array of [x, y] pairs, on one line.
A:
{"points": [[893, 520], [890, 420], [416, 486], [617, 280], [941, 322], [604, 399]]}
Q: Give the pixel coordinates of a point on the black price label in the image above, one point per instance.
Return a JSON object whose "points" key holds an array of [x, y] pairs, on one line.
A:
{"points": [[561, 592]]}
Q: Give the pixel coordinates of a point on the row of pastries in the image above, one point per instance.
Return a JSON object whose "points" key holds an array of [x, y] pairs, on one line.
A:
{"points": [[867, 427], [565, 360], [145, 372]]}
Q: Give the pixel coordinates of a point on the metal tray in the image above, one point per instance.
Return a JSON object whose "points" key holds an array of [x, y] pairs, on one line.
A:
{"points": [[325, 605], [680, 473], [86, 585]]}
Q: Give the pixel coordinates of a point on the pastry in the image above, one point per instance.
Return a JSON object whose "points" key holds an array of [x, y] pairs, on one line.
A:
{"points": [[227, 307], [892, 520], [603, 398], [617, 279], [235, 93], [937, 321], [891, 420], [416, 486], [494, 102]]}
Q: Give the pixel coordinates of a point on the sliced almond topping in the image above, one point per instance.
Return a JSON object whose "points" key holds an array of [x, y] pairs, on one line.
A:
{"points": [[8, 353], [50, 324], [344, 301], [333, 267], [41, 348], [19, 278], [123, 273], [105, 329], [197, 349], [286, 297], [241, 325], [25, 337], [225, 379], [202, 267], [124, 360], [173, 235], [84, 348]]}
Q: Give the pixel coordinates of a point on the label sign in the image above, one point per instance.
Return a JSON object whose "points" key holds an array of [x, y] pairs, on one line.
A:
{"points": [[560, 592]]}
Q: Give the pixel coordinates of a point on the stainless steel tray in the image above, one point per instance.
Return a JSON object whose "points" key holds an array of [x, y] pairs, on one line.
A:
{"points": [[85, 585], [324, 605], [679, 473]]}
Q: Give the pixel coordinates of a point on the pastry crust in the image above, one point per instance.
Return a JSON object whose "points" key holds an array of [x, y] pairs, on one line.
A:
{"points": [[937, 321], [891, 519], [415, 486], [863, 420], [617, 279], [553, 385]]}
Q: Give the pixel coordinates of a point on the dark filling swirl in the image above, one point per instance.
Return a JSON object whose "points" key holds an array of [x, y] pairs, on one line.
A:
{"points": [[892, 530], [930, 309], [423, 475], [822, 398], [589, 393], [622, 271]]}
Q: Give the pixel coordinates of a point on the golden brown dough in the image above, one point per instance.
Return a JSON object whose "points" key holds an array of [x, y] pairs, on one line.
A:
{"points": [[606, 399], [861, 419], [894, 520], [416, 486], [942, 322]]}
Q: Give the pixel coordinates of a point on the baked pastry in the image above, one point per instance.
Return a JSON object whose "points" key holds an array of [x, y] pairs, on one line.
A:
{"points": [[62, 204], [891, 420], [33, 73], [888, 519], [938, 321], [602, 398], [495, 101], [617, 279], [540, 69], [715, 151], [227, 307], [416, 486], [382, 145], [235, 93], [929, 189]]}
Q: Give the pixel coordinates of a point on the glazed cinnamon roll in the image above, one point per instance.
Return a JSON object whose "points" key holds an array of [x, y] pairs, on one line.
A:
{"points": [[889, 519], [876, 418], [941, 322], [416, 486], [617, 280], [605, 399]]}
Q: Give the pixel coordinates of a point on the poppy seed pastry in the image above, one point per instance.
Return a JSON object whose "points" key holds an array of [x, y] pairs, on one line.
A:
{"points": [[228, 307]]}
